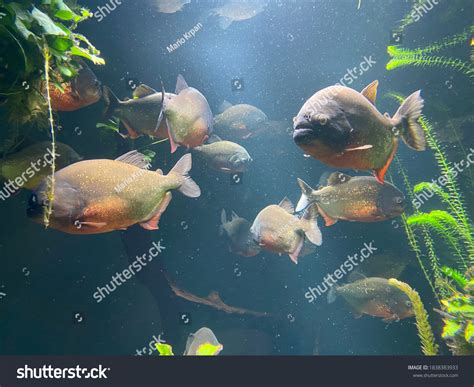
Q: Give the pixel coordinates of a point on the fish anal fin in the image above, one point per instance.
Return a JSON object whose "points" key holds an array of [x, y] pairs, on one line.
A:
{"points": [[370, 91], [380, 173], [327, 219], [132, 133], [152, 224], [295, 254], [174, 146]]}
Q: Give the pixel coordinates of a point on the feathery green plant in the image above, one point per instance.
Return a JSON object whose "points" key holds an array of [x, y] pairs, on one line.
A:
{"points": [[418, 57], [427, 339]]}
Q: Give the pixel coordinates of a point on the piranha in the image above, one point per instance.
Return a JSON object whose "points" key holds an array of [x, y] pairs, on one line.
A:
{"points": [[138, 115], [203, 343], [240, 122], [238, 232], [224, 156], [358, 198], [238, 10], [342, 128], [375, 297], [188, 116], [33, 163], [98, 196], [277, 229], [83, 90]]}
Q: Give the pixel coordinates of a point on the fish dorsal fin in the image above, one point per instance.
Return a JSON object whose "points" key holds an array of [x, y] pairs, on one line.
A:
{"points": [[356, 276], [214, 138], [287, 205], [143, 91], [336, 178], [370, 91], [180, 84], [224, 106], [234, 215], [134, 158]]}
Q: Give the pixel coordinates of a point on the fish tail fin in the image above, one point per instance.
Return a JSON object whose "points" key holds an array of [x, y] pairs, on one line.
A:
{"points": [[223, 222], [188, 186], [111, 102], [407, 117], [306, 191], [312, 231], [332, 294]]}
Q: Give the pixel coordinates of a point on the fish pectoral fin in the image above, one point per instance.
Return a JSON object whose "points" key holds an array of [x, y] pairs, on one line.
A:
{"points": [[132, 133], [380, 173], [359, 148], [327, 219], [370, 92], [96, 225], [152, 224]]}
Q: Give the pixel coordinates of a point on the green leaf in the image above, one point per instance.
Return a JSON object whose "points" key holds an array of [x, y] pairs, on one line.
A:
{"points": [[208, 349], [62, 43], [67, 72], [164, 349], [79, 51], [46, 23]]}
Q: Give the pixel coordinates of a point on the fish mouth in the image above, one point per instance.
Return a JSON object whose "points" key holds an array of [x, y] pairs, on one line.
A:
{"points": [[302, 134]]}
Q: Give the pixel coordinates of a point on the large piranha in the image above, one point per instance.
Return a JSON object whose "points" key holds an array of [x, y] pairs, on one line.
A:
{"points": [[98, 196], [342, 128]]}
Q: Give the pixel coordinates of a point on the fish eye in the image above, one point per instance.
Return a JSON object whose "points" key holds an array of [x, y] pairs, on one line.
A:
{"points": [[408, 304], [323, 120], [399, 200]]}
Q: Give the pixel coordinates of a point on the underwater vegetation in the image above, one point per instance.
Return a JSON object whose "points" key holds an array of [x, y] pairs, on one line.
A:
{"points": [[43, 51], [428, 343], [419, 57], [453, 226], [201, 343]]}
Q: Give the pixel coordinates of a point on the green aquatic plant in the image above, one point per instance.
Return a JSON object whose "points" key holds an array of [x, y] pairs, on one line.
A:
{"points": [[425, 333], [418, 57], [164, 349], [445, 226], [205, 349], [455, 275], [458, 318], [28, 29], [404, 58]]}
